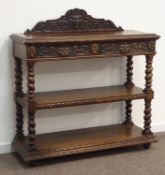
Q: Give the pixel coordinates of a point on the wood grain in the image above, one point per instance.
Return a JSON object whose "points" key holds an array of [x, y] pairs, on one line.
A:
{"points": [[82, 36], [45, 100], [82, 140], [77, 35]]}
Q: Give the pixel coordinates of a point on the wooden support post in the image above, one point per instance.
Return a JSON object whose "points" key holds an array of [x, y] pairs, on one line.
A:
{"points": [[129, 84], [149, 95], [31, 106], [18, 93]]}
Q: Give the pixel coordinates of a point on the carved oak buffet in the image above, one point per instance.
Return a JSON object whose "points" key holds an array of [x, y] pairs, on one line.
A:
{"points": [[77, 35]]}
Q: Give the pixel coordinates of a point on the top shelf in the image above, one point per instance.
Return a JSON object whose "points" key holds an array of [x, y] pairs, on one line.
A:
{"points": [[82, 37]]}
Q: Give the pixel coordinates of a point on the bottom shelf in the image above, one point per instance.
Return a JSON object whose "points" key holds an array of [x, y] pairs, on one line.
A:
{"points": [[82, 141]]}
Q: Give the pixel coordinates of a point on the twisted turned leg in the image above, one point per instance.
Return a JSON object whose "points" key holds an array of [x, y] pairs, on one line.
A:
{"points": [[128, 119], [129, 72], [31, 106], [129, 84], [149, 95], [18, 93], [31, 130]]}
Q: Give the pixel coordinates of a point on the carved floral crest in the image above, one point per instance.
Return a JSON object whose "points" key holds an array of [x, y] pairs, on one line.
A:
{"points": [[74, 20]]}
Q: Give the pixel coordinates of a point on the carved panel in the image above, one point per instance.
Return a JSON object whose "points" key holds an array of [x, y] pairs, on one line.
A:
{"points": [[129, 47], [89, 49], [47, 51], [95, 48], [90, 101], [81, 50], [31, 52], [63, 51], [74, 20]]}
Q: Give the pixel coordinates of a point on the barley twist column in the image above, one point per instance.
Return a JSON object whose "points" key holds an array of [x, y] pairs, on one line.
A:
{"points": [[129, 84], [149, 95], [31, 105], [129, 71], [18, 93]]}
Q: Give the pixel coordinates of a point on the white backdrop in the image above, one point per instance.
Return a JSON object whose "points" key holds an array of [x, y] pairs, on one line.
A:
{"points": [[18, 15]]}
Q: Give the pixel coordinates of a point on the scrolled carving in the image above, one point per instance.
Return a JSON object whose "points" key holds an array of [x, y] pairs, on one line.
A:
{"points": [[74, 20], [87, 49], [81, 50], [47, 51], [127, 47], [124, 48]]}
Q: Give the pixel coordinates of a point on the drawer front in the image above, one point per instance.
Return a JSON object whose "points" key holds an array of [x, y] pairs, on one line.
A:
{"points": [[94, 49]]}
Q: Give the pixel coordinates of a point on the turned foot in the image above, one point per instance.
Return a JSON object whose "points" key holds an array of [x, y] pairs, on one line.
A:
{"points": [[146, 145]]}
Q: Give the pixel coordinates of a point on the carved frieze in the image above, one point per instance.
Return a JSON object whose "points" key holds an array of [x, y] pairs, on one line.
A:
{"points": [[89, 49], [124, 48]]}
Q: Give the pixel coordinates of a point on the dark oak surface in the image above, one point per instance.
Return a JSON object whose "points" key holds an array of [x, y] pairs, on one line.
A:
{"points": [[77, 35], [82, 140], [38, 47], [84, 96], [82, 36]]}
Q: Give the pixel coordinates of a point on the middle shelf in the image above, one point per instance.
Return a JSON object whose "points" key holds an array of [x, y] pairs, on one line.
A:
{"points": [[76, 97]]}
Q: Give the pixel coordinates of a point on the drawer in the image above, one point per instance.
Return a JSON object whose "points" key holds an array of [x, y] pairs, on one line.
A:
{"points": [[95, 49]]}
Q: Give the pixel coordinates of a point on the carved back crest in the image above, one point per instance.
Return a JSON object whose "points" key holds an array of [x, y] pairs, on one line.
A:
{"points": [[75, 20]]}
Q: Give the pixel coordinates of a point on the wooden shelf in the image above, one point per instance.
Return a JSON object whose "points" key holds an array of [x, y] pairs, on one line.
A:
{"points": [[87, 96], [77, 35], [82, 140]]}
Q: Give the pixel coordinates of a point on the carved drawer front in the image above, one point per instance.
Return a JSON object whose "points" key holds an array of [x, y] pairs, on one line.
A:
{"points": [[89, 49], [63, 50], [139, 47]]}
